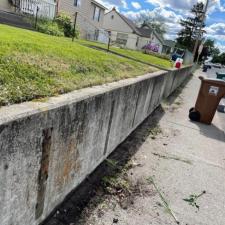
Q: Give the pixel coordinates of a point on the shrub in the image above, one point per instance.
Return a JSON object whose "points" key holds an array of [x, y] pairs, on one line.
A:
{"points": [[49, 27], [64, 22]]}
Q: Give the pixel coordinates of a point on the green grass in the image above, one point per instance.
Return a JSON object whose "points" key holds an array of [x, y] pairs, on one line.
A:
{"points": [[36, 66], [164, 63]]}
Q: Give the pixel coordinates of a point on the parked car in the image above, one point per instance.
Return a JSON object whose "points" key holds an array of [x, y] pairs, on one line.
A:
{"points": [[217, 65], [179, 53], [208, 65]]}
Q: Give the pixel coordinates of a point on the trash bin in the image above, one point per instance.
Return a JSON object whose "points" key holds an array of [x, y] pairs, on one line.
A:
{"points": [[210, 94], [220, 76]]}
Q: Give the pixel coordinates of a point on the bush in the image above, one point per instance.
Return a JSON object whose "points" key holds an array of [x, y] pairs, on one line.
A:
{"points": [[49, 27], [65, 24]]}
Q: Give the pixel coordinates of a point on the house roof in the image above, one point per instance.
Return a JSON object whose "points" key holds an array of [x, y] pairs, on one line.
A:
{"points": [[141, 31], [170, 43], [149, 27], [98, 4], [145, 32], [130, 23]]}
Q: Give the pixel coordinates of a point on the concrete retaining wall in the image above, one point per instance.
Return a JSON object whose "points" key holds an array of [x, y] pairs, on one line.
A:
{"points": [[47, 149]]}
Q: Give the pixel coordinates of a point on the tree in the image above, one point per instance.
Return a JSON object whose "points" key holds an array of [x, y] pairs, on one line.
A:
{"points": [[215, 52], [210, 45], [191, 27], [209, 49], [219, 59], [158, 26]]}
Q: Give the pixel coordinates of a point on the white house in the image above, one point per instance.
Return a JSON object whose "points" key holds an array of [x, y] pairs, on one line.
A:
{"points": [[125, 32]]}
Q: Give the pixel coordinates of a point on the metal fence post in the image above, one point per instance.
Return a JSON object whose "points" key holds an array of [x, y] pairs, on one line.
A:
{"points": [[109, 41], [74, 26], [36, 17]]}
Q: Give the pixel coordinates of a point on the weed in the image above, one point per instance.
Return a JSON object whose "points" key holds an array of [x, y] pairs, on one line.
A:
{"points": [[192, 200], [112, 163], [155, 131], [165, 202]]}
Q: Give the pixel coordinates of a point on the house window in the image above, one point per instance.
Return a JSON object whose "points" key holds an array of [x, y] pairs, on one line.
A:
{"points": [[77, 3], [121, 38], [112, 17], [97, 14]]}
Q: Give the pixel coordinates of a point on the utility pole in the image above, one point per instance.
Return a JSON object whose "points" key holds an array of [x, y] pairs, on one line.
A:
{"points": [[201, 26], [74, 26]]}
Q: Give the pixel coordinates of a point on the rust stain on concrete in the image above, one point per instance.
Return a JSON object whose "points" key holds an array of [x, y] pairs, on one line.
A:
{"points": [[43, 173], [70, 163]]}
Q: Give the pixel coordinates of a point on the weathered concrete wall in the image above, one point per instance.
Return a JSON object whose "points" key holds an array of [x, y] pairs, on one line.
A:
{"points": [[47, 149]]}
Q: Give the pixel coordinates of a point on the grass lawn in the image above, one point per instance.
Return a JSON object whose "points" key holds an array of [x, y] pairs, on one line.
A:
{"points": [[165, 63], [35, 65]]}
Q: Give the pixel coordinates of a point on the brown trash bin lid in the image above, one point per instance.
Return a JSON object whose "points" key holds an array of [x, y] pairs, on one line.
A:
{"points": [[213, 81]]}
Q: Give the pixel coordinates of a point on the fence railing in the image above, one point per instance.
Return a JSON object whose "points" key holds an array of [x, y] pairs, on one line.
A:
{"points": [[44, 8]]}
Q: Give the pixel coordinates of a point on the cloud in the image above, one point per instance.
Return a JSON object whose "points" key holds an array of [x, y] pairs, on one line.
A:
{"points": [[216, 31], [174, 4], [220, 46], [136, 5], [158, 14], [215, 5], [114, 3], [185, 6]]}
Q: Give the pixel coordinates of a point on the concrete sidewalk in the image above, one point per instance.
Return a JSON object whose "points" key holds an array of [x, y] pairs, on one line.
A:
{"points": [[185, 158]]}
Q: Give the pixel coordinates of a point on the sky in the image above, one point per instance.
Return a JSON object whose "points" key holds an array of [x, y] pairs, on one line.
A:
{"points": [[172, 11]]}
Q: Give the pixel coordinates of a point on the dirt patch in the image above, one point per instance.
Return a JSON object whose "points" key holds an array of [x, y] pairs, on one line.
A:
{"points": [[155, 131], [49, 64], [115, 192]]}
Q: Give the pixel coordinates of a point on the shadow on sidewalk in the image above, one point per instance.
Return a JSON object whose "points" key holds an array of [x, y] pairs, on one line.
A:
{"points": [[172, 98], [211, 131], [69, 212]]}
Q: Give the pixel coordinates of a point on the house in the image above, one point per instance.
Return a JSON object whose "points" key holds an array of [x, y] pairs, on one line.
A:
{"points": [[124, 32], [168, 47], [6, 6], [89, 18]]}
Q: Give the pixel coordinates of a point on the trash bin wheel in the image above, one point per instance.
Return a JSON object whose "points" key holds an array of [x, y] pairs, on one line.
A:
{"points": [[191, 109], [221, 108], [194, 116]]}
